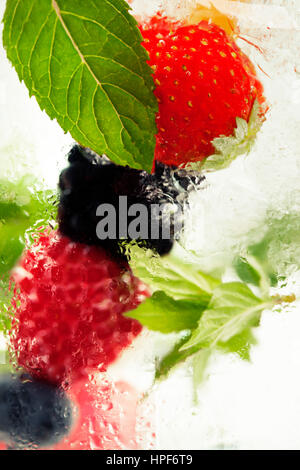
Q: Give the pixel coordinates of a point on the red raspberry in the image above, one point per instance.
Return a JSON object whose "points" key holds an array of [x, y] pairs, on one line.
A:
{"points": [[68, 305], [203, 83]]}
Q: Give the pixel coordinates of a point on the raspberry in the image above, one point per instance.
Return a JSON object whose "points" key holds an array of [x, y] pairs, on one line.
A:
{"points": [[68, 305]]}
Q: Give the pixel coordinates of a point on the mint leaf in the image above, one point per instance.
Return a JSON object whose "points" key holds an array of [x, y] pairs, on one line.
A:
{"points": [[173, 358], [254, 271], [211, 315], [233, 310], [241, 344], [84, 63], [215, 315], [226, 325], [176, 278], [246, 272], [162, 313], [200, 361], [279, 249]]}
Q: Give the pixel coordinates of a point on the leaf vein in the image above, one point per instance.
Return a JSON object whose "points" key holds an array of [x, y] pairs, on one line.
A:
{"points": [[114, 61], [51, 57], [95, 117], [13, 19], [91, 20], [23, 27], [123, 91], [68, 92], [77, 49]]}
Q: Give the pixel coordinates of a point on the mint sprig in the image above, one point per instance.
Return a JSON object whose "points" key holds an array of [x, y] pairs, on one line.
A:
{"points": [[211, 315], [84, 63]]}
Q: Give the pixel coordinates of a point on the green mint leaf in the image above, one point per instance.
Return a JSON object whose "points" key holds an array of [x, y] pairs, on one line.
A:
{"points": [[177, 356], [227, 321], [246, 272], [162, 313], [229, 148], [173, 358], [200, 361], [84, 63], [241, 344], [279, 248], [177, 279], [213, 316], [226, 325], [252, 271], [232, 310]]}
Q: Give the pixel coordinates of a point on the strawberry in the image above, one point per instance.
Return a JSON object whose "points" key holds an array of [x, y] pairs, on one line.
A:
{"points": [[203, 83], [68, 305]]}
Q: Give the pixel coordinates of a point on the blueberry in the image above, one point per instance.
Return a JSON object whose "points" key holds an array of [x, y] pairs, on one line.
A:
{"points": [[91, 180], [32, 414]]}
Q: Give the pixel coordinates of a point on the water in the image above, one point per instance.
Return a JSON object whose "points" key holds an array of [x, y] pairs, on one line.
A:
{"points": [[241, 405], [250, 405]]}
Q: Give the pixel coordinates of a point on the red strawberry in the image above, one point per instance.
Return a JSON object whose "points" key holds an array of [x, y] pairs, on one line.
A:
{"points": [[68, 306], [203, 83]]}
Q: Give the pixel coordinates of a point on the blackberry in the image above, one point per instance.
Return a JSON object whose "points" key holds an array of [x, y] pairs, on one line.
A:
{"points": [[32, 414], [91, 180]]}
